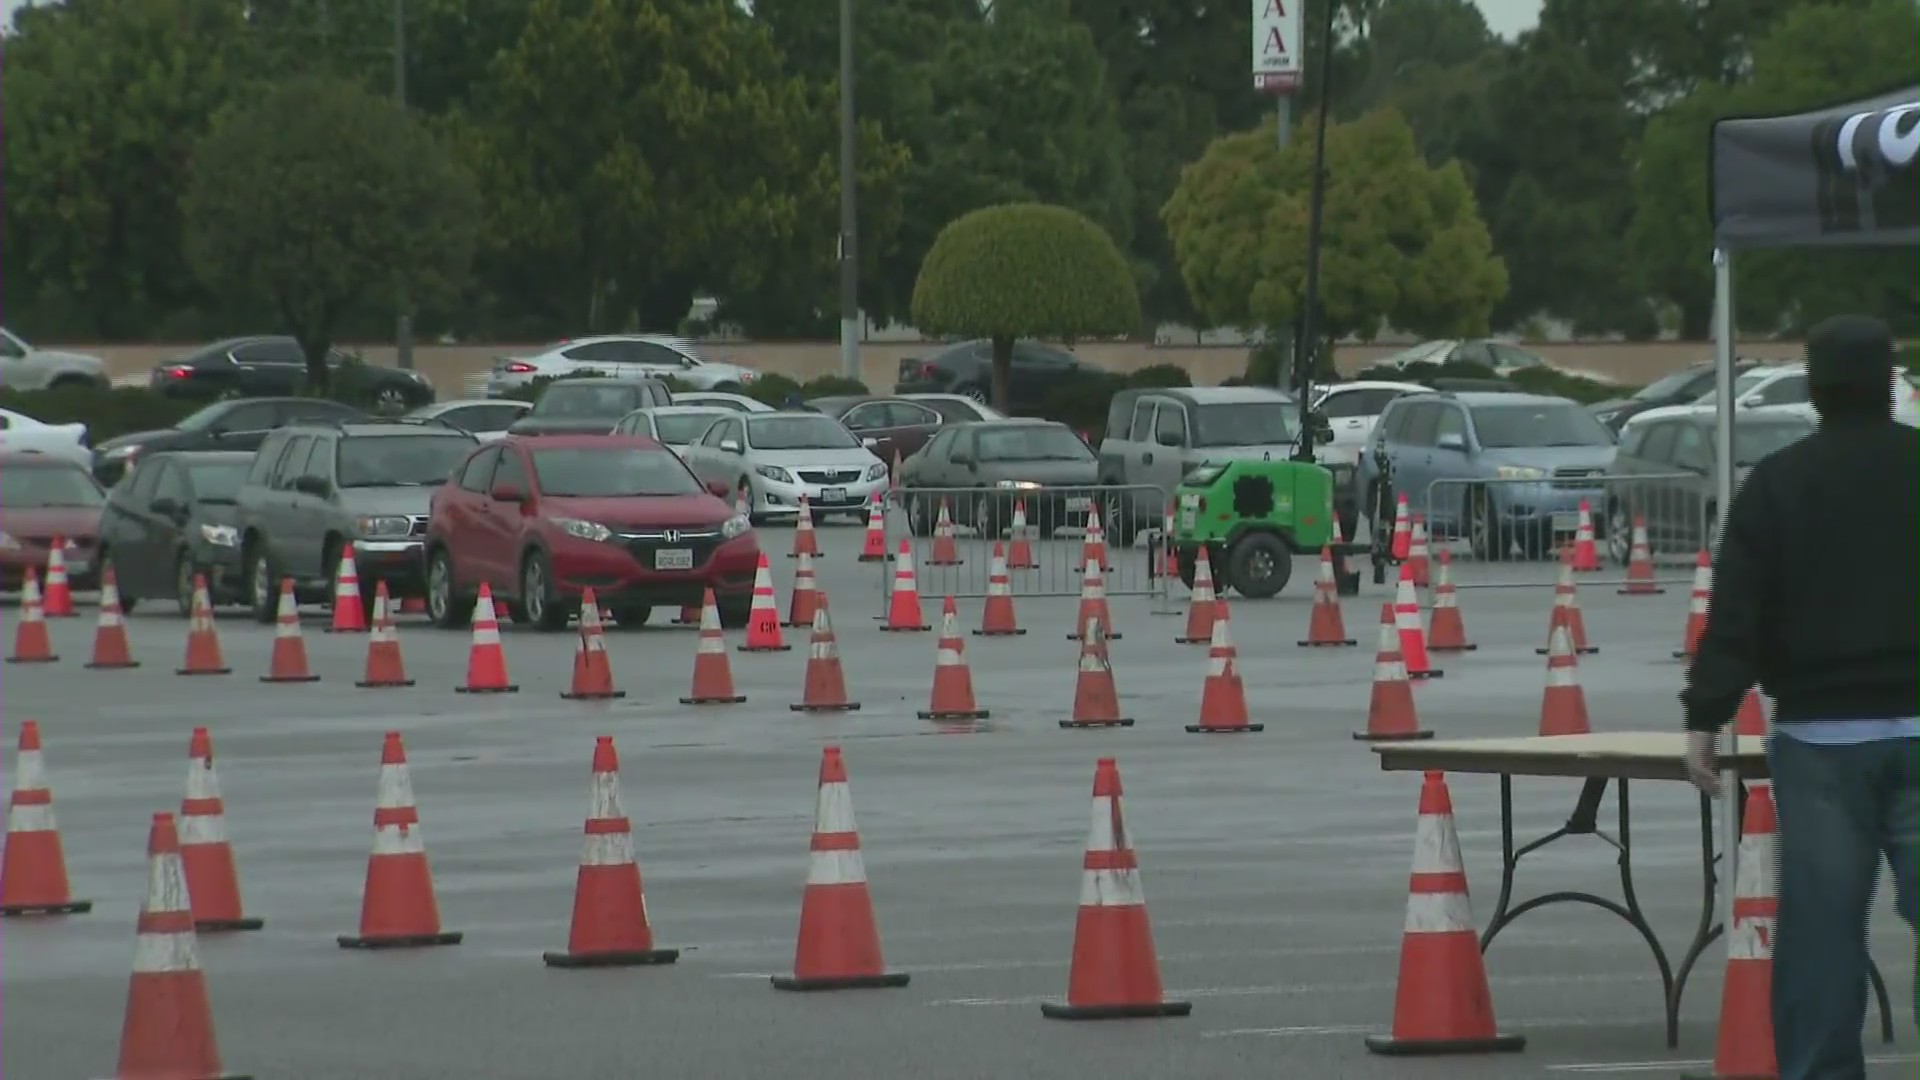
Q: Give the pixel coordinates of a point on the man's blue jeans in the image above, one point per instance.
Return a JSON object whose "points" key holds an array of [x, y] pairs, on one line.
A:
{"points": [[1841, 809]]}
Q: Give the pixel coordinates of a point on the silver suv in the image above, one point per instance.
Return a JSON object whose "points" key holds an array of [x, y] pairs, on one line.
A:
{"points": [[23, 367], [316, 489]]}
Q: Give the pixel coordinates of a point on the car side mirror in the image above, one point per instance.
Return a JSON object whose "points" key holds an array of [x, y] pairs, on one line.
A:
{"points": [[718, 489], [166, 506], [731, 446], [869, 443], [1456, 443], [507, 493], [312, 485]]}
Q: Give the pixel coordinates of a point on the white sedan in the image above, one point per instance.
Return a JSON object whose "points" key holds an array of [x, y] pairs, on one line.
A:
{"points": [[1351, 409], [22, 434], [770, 460], [672, 426], [485, 419], [722, 400], [620, 356]]}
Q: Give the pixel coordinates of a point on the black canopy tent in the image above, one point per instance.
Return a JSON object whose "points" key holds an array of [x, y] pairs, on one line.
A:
{"points": [[1839, 176]]}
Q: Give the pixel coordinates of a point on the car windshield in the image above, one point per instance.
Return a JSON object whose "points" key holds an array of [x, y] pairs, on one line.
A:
{"points": [[800, 433], [1667, 385], [679, 429], [600, 473], [1243, 423], [580, 398], [202, 419], [218, 482], [1550, 424], [1037, 442], [35, 487], [1753, 441], [399, 460], [1741, 385]]}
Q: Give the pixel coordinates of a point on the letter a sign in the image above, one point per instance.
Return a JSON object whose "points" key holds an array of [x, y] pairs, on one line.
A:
{"points": [[1276, 45]]}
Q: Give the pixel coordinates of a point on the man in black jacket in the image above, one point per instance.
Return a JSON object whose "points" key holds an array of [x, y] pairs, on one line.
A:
{"points": [[1831, 631]]}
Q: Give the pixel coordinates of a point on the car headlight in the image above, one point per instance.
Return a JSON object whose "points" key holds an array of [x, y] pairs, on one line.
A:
{"points": [[8, 543], [1017, 485], [735, 525], [120, 453], [220, 535], [384, 525], [878, 472], [585, 530], [1606, 417], [745, 377], [1519, 472], [774, 473]]}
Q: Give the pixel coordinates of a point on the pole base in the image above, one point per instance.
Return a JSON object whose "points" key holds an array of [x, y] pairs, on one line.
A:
{"points": [[887, 981], [204, 671], [713, 700], [90, 666], [844, 706], [1096, 723], [65, 907], [222, 926], [384, 683], [1452, 648], [404, 941], [289, 678], [1409, 736], [1225, 729], [1389, 1046], [639, 958], [510, 688], [975, 714], [1341, 644], [1142, 1011], [598, 695], [998, 633]]}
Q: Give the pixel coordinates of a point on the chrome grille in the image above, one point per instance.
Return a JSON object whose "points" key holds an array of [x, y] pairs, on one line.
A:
{"points": [[642, 543], [1575, 478], [830, 476], [419, 526]]}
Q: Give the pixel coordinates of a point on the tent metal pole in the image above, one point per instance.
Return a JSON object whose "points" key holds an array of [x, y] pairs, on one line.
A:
{"points": [[1723, 500]]}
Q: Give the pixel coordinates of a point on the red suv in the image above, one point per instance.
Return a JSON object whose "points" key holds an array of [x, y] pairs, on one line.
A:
{"points": [[540, 518]]}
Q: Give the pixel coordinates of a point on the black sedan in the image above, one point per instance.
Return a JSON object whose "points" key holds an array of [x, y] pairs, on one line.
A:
{"points": [[223, 425], [966, 368], [264, 365], [172, 519], [889, 426], [982, 470]]}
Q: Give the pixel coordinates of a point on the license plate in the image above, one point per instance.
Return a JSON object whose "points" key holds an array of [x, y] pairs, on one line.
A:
{"points": [[1079, 505], [1566, 520], [833, 495], [673, 559]]}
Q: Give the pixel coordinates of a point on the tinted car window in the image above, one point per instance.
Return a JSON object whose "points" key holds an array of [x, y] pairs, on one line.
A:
{"points": [[583, 399], [479, 470], [1170, 426], [1142, 429], [800, 433], [1547, 424], [1421, 425], [937, 447], [217, 481], [511, 472], [602, 473], [682, 428], [902, 414], [293, 462], [482, 417], [1691, 447], [1039, 442], [1448, 421], [32, 487], [400, 460], [1243, 423], [1787, 390], [170, 484], [252, 417], [137, 486], [1656, 444]]}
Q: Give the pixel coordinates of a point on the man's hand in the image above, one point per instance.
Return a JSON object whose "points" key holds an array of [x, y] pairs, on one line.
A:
{"points": [[1701, 770]]}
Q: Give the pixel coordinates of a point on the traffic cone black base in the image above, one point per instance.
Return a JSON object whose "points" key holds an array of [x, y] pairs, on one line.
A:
{"points": [[1000, 633], [976, 714], [290, 678], [1412, 736], [1344, 642], [382, 685], [510, 688], [1388, 1046], [1430, 673], [1202, 729], [735, 700], [645, 958], [222, 926], [1118, 636], [415, 941], [1056, 1011], [1096, 723], [844, 706], [605, 695], [71, 907], [203, 671], [1454, 648], [887, 981], [767, 648], [1588, 651]]}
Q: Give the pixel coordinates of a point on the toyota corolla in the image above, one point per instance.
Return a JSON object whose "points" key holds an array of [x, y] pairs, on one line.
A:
{"points": [[769, 460]]}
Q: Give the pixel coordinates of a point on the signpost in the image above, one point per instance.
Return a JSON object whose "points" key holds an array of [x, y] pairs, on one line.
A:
{"points": [[1277, 29]]}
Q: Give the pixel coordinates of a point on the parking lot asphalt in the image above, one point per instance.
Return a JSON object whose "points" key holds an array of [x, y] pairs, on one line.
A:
{"points": [[1275, 864]]}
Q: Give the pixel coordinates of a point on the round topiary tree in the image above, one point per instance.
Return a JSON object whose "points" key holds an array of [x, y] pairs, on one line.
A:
{"points": [[1024, 271]]}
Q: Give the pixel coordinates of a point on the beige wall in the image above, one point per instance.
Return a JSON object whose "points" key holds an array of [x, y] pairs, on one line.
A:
{"points": [[447, 365]]}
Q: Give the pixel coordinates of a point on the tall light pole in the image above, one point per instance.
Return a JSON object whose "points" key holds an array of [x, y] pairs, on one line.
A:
{"points": [[403, 322], [1277, 29], [1309, 342], [849, 248]]}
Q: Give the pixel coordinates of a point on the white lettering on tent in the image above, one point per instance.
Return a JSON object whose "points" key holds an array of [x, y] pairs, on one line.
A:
{"points": [[1896, 137]]}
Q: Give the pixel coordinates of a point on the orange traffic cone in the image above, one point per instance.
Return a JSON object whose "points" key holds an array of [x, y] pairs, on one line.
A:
{"points": [[874, 547], [712, 673], [806, 593], [203, 641], [384, 665], [1563, 708], [58, 602], [1390, 712], [839, 943], [1169, 555], [805, 540], [349, 610], [826, 686], [1200, 602], [1751, 720], [110, 646], [1443, 1005], [397, 908], [1223, 698], [1566, 612], [1326, 626], [289, 663], [1096, 700], [1093, 548], [1448, 632], [31, 642], [1402, 542], [609, 903], [213, 884], [33, 865], [689, 615], [1745, 1048], [1093, 603], [903, 604], [763, 621], [1019, 542], [1115, 973], [1586, 556], [1640, 576], [486, 659], [946, 551], [168, 1030], [1418, 555], [1697, 605], [1413, 637], [997, 619], [952, 680], [592, 673]]}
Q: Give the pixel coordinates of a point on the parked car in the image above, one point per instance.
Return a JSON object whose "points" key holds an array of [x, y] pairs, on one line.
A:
{"points": [[1679, 388], [23, 367], [266, 365], [956, 408], [1503, 358], [316, 490], [888, 426], [588, 406], [624, 356], [1350, 410], [540, 519], [966, 368], [1675, 453], [175, 517], [1499, 469], [22, 434], [722, 400], [1039, 463], [223, 425], [672, 426], [771, 459], [483, 418], [43, 498]]}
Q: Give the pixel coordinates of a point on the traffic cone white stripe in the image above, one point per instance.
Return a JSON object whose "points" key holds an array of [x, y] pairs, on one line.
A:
{"points": [[1118, 883], [166, 890], [486, 635], [29, 817], [1436, 847], [1438, 913], [603, 798], [833, 814], [1754, 878], [822, 650], [165, 953], [608, 848], [202, 829], [1752, 938], [30, 771], [1388, 664], [946, 657], [396, 788], [398, 840]]}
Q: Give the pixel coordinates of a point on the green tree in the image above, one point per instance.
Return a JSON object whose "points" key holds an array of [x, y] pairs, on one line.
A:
{"points": [[1024, 271], [1403, 241], [320, 198]]}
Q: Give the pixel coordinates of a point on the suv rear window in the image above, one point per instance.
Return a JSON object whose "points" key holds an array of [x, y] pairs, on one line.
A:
{"points": [[1557, 424], [1243, 423], [399, 460], [589, 399]]}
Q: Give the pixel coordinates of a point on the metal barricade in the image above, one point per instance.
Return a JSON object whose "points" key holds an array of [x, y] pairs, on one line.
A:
{"points": [[1132, 515], [1509, 531]]}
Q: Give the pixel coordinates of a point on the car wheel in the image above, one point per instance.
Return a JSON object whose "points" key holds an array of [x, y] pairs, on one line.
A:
{"points": [[444, 603], [106, 564], [920, 516], [183, 584], [1116, 517], [975, 394], [989, 520], [743, 494], [1619, 535], [261, 597], [735, 611], [390, 401], [538, 600], [1259, 565], [632, 616], [1488, 542]]}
